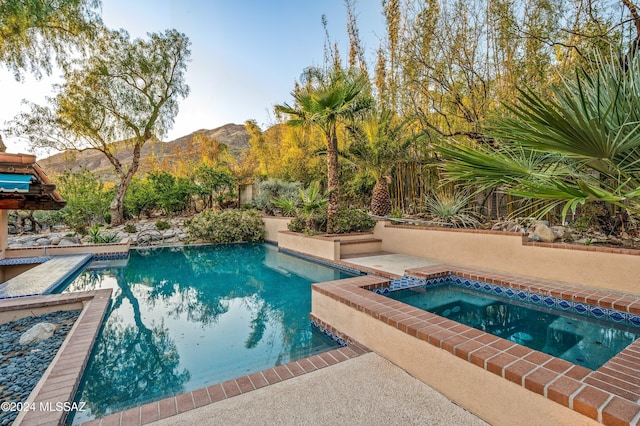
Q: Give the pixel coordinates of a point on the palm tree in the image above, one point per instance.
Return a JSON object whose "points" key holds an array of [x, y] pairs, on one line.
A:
{"points": [[379, 142], [583, 145], [325, 100], [311, 201]]}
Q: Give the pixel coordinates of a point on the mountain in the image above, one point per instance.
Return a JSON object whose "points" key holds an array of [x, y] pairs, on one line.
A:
{"points": [[234, 136]]}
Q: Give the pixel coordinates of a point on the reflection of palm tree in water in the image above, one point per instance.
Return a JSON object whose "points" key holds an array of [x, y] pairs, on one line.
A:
{"points": [[131, 359]]}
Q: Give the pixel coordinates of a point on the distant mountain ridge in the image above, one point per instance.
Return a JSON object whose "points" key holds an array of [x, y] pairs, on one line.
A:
{"points": [[234, 136]]}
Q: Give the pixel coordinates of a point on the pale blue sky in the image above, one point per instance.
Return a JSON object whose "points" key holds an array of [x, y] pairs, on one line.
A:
{"points": [[246, 54]]}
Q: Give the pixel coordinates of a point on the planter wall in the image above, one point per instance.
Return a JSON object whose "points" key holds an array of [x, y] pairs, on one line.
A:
{"points": [[614, 269]]}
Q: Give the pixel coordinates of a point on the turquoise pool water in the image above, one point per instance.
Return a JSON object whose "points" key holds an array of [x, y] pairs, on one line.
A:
{"points": [[181, 319], [582, 340]]}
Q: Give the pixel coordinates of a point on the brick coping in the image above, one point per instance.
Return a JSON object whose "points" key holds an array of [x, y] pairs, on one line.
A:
{"points": [[610, 394], [187, 401], [60, 380]]}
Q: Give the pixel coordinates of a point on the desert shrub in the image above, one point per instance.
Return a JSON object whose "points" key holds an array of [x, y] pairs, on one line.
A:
{"points": [[162, 225], [86, 197], [270, 190], [227, 226], [352, 220], [130, 228]]}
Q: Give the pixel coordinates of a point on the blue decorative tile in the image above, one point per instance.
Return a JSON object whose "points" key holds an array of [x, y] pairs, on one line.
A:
{"points": [[634, 319], [467, 283], [486, 287], [598, 312], [510, 293], [617, 316], [522, 295], [535, 298], [549, 301], [580, 308]]}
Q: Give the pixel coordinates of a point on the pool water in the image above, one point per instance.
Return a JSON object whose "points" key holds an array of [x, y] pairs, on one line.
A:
{"points": [[582, 340], [182, 319]]}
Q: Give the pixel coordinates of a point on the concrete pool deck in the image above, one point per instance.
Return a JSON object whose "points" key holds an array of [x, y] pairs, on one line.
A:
{"points": [[367, 390]]}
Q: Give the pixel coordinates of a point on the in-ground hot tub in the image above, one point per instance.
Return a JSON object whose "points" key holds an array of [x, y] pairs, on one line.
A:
{"points": [[498, 379], [579, 333]]}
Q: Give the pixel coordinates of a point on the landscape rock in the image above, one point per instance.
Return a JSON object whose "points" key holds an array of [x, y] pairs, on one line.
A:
{"points": [[69, 241], [542, 232], [38, 333], [560, 232], [55, 241], [43, 242]]}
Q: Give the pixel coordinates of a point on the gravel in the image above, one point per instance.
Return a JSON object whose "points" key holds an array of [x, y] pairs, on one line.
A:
{"points": [[21, 367]]}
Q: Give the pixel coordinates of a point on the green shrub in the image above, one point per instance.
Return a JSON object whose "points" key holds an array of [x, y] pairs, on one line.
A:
{"points": [[227, 226], [273, 189], [297, 224], [162, 225], [130, 228], [352, 220]]}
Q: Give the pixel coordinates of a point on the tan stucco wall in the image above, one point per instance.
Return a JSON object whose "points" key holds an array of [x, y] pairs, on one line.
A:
{"points": [[273, 225], [505, 252], [316, 246], [11, 271], [485, 394]]}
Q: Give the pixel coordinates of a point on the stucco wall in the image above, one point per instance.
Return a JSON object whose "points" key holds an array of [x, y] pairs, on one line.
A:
{"points": [[317, 246], [273, 225], [506, 252]]}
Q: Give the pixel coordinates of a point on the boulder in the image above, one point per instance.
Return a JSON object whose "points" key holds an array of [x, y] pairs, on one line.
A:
{"points": [[38, 333], [542, 232], [43, 242], [559, 231], [68, 241], [55, 241]]}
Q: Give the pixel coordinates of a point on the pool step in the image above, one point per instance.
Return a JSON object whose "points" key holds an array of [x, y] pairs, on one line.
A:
{"points": [[360, 245]]}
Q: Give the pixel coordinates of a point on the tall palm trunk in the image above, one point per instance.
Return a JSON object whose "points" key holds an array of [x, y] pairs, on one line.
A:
{"points": [[381, 199], [332, 176]]}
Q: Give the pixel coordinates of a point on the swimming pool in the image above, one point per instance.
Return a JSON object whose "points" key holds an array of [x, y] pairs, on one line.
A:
{"points": [[184, 318], [581, 338]]}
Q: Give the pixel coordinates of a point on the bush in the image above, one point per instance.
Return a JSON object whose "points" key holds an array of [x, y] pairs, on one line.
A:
{"points": [[272, 189], [130, 228], [227, 226], [162, 225], [352, 220], [297, 224]]}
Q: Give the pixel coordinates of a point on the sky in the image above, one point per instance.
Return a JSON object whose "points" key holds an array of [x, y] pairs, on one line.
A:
{"points": [[245, 55]]}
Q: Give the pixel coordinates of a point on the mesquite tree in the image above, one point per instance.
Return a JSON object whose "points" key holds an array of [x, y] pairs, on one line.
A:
{"points": [[120, 97]]}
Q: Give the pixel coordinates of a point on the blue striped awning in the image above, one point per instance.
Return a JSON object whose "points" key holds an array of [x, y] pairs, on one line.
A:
{"points": [[14, 183]]}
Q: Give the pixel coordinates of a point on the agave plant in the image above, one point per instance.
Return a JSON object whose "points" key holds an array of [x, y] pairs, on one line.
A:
{"points": [[583, 145], [451, 207]]}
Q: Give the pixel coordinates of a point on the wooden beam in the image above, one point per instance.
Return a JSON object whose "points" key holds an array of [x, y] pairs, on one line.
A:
{"points": [[30, 204]]}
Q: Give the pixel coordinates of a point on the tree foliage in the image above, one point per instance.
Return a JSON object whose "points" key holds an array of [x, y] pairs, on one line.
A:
{"points": [[581, 146], [126, 90], [327, 99], [34, 34]]}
